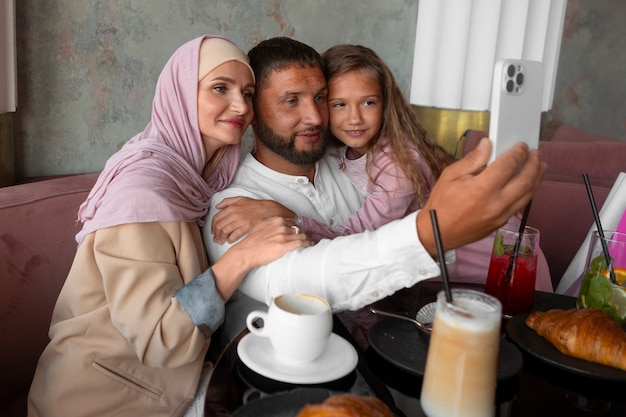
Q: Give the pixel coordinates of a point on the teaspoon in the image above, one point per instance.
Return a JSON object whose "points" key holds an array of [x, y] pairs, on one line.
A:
{"points": [[426, 328]]}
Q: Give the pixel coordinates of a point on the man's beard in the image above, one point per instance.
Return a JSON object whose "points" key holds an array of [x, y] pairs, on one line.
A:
{"points": [[286, 148]]}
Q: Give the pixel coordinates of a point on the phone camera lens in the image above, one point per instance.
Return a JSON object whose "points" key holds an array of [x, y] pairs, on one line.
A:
{"points": [[511, 70], [520, 79], [510, 86]]}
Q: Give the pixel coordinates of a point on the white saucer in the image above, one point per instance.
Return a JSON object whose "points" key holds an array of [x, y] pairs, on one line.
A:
{"points": [[339, 359]]}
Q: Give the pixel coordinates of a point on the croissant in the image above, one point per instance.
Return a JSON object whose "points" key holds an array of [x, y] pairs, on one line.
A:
{"points": [[587, 333], [347, 405]]}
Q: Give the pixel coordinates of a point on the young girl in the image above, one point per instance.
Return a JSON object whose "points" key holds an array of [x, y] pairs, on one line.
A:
{"points": [[387, 154]]}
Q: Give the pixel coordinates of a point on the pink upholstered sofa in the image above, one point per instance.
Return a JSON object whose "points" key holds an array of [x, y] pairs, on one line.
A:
{"points": [[37, 228], [37, 246]]}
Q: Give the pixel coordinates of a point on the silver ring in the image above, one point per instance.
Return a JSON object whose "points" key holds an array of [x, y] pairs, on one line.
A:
{"points": [[296, 228]]}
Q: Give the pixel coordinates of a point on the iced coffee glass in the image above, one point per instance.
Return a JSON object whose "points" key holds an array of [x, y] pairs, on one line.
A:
{"points": [[461, 365]]}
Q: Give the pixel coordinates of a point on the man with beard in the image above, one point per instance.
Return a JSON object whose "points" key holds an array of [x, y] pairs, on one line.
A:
{"points": [[290, 165]]}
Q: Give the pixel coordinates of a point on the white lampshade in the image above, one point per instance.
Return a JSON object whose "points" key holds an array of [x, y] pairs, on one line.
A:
{"points": [[457, 43], [8, 72]]}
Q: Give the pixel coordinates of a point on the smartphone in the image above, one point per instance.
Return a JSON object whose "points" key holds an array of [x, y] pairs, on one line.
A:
{"points": [[516, 96]]}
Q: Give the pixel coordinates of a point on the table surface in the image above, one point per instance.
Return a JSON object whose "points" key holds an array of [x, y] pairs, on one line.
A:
{"points": [[538, 390], [231, 379]]}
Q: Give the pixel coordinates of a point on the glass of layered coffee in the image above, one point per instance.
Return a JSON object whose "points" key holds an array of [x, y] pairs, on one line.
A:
{"points": [[461, 365]]}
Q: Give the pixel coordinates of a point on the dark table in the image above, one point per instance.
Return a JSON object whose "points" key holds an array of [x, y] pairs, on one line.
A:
{"points": [[232, 380], [538, 390]]}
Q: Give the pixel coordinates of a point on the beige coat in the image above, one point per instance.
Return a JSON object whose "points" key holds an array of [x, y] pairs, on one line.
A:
{"points": [[121, 344]]}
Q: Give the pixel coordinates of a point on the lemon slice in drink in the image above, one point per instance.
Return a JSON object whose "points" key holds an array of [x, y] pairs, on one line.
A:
{"points": [[620, 275], [619, 302], [618, 297]]}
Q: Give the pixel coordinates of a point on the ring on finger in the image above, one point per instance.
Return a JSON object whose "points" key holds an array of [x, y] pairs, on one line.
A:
{"points": [[296, 229]]}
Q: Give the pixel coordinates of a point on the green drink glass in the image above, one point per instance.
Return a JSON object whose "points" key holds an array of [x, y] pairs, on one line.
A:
{"points": [[597, 289]]}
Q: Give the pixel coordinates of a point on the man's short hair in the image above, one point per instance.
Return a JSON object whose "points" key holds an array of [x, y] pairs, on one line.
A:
{"points": [[278, 53]]}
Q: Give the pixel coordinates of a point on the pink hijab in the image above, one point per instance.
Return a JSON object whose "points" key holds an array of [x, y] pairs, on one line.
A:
{"points": [[157, 175]]}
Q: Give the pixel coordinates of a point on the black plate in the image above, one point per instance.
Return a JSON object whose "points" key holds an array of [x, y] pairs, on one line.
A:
{"points": [[285, 404], [535, 345], [400, 343]]}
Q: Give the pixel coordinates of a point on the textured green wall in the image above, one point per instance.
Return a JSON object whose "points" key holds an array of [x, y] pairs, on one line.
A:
{"points": [[590, 92], [87, 68]]}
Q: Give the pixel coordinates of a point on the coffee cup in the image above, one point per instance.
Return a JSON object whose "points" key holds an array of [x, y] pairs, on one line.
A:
{"points": [[298, 326]]}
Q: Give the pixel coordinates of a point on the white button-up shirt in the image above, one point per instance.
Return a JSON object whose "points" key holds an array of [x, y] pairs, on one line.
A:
{"points": [[349, 271]]}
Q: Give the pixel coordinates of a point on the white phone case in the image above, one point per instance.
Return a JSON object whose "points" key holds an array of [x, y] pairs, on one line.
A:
{"points": [[515, 105]]}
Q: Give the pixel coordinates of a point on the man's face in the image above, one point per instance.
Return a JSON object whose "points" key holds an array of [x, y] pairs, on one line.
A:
{"points": [[292, 116]]}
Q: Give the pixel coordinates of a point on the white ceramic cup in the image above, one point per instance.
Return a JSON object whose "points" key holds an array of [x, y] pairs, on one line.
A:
{"points": [[297, 325]]}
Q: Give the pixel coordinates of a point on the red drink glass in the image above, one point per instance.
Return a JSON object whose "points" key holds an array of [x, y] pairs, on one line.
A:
{"points": [[516, 288]]}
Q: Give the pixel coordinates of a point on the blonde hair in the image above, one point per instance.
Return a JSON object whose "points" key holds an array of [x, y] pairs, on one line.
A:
{"points": [[399, 123]]}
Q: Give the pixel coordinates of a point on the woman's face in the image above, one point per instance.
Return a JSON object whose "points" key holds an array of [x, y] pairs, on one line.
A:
{"points": [[225, 105], [355, 103]]}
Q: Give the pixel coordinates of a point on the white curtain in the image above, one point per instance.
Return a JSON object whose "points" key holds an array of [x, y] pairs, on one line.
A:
{"points": [[457, 43], [8, 70]]}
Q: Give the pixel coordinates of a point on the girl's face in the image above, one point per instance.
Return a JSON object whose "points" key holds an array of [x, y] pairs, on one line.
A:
{"points": [[224, 105], [355, 103]]}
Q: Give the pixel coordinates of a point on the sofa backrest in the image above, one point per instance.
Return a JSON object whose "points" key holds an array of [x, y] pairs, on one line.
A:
{"points": [[561, 208], [37, 246]]}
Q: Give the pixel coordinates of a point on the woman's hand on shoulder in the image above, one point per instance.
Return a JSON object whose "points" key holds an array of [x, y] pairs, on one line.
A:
{"points": [[238, 215], [270, 239], [267, 241]]}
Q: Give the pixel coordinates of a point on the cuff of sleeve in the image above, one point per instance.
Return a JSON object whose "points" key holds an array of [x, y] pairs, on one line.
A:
{"points": [[450, 257], [202, 302]]}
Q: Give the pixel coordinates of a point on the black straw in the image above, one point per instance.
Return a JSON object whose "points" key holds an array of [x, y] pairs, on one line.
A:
{"points": [[441, 256], [605, 248], [518, 242]]}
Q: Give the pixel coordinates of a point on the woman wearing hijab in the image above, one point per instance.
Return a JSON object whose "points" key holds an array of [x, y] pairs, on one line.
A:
{"points": [[133, 321]]}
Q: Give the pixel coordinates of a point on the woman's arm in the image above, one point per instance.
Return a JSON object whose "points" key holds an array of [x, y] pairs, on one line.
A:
{"points": [[157, 294], [141, 267], [267, 241]]}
